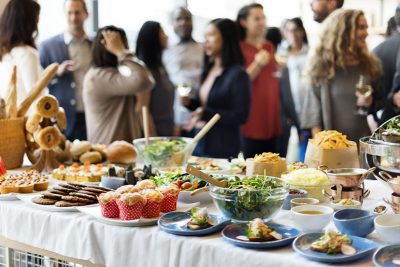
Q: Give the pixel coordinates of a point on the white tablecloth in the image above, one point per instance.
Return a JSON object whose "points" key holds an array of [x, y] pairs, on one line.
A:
{"points": [[76, 235]]}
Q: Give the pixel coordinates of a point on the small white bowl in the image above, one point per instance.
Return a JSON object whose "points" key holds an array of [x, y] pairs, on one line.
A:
{"points": [[388, 228], [294, 202], [336, 206], [312, 223]]}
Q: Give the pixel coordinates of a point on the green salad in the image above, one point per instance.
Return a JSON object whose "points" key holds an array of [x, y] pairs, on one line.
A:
{"points": [[394, 125], [163, 153], [250, 197], [184, 181]]}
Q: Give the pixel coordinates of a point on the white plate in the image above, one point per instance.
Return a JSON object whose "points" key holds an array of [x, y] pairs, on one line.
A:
{"points": [[28, 199], [96, 212]]}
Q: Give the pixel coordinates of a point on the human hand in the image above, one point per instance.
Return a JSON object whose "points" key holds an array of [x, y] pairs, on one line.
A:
{"points": [[262, 58], [113, 42], [396, 99], [66, 66]]}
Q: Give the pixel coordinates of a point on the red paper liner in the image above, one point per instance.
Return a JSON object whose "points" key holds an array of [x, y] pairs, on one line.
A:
{"points": [[127, 212], [109, 210], [151, 209], [169, 203]]}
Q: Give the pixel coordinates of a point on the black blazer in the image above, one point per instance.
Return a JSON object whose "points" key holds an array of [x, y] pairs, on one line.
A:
{"points": [[230, 97]]}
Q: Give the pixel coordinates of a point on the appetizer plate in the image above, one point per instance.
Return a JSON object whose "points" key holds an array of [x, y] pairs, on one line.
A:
{"points": [[387, 256], [176, 223], [232, 231], [96, 213], [27, 198], [302, 244]]}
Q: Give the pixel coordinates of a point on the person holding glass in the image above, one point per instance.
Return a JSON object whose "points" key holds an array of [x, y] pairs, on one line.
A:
{"points": [[224, 89], [335, 69]]}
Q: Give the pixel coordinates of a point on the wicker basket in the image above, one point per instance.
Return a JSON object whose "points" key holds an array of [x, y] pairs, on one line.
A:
{"points": [[12, 142]]}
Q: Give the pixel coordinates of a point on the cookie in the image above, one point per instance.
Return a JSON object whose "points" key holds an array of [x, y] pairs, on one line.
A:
{"points": [[69, 186], [99, 187], [52, 195], [58, 192], [98, 190], [69, 204], [90, 197], [77, 184], [88, 193], [77, 199], [43, 201], [63, 189]]}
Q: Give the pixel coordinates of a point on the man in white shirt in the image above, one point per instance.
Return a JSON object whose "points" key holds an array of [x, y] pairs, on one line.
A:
{"points": [[183, 62], [72, 50]]}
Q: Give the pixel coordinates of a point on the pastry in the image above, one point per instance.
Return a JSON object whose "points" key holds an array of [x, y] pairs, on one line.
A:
{"points": [[108, 204], [40, 184], [44, 201], [79, 147], [121, 152], [170, 200], [8, 186], [61, 119], [47, 106], [33, 123], [131, 206], [48, 138], [59, 173], [91, 157], [153, 206], [25, 186], [128, 189], [146, 184]]}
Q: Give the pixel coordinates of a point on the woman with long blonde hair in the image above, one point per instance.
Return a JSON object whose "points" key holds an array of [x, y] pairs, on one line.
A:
{"points": [[340, 62]]}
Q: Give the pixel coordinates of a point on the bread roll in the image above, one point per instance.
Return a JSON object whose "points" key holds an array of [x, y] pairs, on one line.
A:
{"points": [[121, 152], [102, 149], [80, 147], [90, 156]]}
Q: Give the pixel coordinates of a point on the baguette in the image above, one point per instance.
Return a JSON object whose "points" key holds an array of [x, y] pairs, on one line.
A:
{"points": [[11, 98], [47, 75]]}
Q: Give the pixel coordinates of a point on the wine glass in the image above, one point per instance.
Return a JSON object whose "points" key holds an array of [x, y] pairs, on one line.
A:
{"points": [[183, 89], [364, 88]]}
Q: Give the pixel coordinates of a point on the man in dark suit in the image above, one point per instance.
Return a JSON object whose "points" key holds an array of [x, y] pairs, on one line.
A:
{"points": [[386, 52], [72, 50]]}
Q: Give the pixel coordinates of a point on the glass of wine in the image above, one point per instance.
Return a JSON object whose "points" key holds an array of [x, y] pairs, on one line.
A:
{"points": [[363, 87], [183, 89]]}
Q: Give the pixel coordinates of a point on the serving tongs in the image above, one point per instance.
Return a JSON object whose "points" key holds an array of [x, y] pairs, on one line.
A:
{"points": [[205, 177]]}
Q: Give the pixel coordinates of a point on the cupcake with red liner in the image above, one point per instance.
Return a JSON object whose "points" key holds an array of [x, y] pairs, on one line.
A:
{"points": [[127, 189], [153, 207], [170, 200], [131, 206], [108, 204], [146, 184]]}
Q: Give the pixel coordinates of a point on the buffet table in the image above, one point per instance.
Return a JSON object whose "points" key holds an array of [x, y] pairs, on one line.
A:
{"points": [[79, 236]]}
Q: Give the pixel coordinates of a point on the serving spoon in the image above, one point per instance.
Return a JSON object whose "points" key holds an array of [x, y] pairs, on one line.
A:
{"points": [[205, 177]]}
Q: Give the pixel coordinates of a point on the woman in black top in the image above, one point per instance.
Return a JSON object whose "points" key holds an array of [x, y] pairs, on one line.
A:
{"points": [[150, 44], [225, 89]]}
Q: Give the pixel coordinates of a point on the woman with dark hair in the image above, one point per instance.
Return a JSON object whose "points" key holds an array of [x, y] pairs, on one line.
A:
{"points": [[150, 44], [263, 125], [18, 29], [110, 89], [224, 89]]}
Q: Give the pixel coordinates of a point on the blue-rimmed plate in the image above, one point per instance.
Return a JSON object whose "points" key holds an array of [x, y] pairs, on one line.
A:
{"points": [[387, 256], [302, 244], [176, 223], [235, 230]]}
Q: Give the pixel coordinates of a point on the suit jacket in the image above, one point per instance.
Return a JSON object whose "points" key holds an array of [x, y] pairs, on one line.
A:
{"points": [[63, 88], [386, 52], [230, 97]]}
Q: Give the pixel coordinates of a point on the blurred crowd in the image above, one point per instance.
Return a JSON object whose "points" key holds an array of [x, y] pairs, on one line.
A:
{"points": [[266, 83]]}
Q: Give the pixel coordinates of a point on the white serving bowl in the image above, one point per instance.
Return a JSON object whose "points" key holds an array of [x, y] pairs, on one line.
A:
{"points": [[336, 206], [312, 223], [388, 228]]}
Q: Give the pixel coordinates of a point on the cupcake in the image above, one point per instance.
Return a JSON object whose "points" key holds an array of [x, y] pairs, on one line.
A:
{"points": [[108, 204], [146, 184], [153, 206], [170, 200], [130, 206], [128, 189]]}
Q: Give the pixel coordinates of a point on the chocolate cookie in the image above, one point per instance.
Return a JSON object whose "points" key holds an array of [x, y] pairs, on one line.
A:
{"points": [[77, 184], [90, 197], [52, 195], [87, 193], [63, 189], [99, 187], [72, 187], [69, 204], [58, 192], [95, 190], [77, 199], [43, 201]]}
